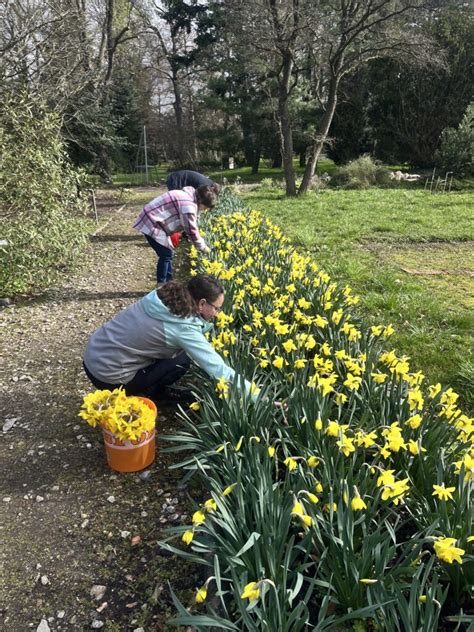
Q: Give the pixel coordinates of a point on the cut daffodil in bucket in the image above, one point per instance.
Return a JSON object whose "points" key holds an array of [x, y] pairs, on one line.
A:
{"points": [[128, 425]]}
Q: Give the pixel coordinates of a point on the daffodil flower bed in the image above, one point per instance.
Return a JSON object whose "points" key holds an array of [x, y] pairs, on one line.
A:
{"points": [[125, 417], [351, 498]]}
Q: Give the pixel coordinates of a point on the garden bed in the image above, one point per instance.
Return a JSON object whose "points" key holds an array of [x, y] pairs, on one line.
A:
{"points": [[350, 500]]}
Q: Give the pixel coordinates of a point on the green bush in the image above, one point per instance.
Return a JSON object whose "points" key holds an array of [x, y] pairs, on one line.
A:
{"points": [[456, 152], [361, 173], [42, 215]]}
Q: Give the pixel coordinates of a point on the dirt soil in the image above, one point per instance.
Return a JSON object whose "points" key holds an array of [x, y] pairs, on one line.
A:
{"points": [[68, 523]]}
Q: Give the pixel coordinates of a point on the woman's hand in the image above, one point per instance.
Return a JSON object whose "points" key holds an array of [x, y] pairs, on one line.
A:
{"points": [[206, 250]]}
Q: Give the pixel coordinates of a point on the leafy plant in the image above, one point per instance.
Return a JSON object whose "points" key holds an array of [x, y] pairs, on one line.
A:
{"points": [[42, 213], [456, 151]]}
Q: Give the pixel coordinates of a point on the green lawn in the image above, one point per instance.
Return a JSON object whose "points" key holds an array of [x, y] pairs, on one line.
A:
{"points": [[159, 173], [407, 254]]}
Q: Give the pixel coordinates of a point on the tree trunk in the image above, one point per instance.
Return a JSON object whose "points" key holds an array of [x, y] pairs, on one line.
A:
{"points": [[318, 144], [284, 120], [247, 140], [178, 113], [110, 44], [192, 130], [256, 160], [276, 161]]}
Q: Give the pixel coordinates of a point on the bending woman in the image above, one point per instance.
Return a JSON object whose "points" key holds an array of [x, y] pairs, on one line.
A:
{"points": [[168, 215], [149, 345]]}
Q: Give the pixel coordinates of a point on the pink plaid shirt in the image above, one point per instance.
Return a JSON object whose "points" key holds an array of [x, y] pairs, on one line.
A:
{"points": [[170, 213]]}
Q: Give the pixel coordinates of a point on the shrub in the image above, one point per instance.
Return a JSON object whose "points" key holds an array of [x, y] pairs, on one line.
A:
{"points": [[456, 152], [40, 207], [361, 173]]}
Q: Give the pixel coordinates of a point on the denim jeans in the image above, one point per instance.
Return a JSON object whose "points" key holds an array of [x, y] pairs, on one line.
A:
{"points": [[150, 381], [164, 268]]}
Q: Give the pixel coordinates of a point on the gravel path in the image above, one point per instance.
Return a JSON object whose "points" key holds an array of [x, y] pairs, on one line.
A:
{"points": [[69, 525]]}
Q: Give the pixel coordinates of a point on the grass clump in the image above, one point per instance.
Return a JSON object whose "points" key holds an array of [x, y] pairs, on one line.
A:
{"points": [[361, 173]]}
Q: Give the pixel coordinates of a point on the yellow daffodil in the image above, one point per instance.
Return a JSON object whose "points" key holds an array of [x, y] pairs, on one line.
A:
{"points": [[201, 595], [289, 346], [379, 378], [278, 362], [228, 489], [366, 439], [297, 509], [251, 591], [195, 406], [307, 520], [222, 387], [188, 536], [320, 321], [384, 451], [290, 463], [414, 421], [346, 445], [415, 399], [468, 463], [352, 382], [434, 389], [198, 517], [311, 497], [447, 552], [386, 478], [442, 492], [210, 504], [340, 399], [333, 429], [357, 503], [395, 491]]}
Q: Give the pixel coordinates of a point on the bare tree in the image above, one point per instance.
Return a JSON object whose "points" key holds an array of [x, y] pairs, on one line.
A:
{"points": [[269, 35], [349, 35], [173, 25], [319, 41]]}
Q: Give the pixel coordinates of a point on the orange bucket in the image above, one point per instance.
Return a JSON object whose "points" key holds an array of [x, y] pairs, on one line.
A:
{"points": [[131, 456]]}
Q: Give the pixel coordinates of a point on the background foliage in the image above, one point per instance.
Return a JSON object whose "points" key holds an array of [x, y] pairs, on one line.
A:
{"points": [[42, 216]]}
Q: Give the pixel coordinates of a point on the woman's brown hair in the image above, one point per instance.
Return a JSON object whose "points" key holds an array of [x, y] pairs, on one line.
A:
{"points": [[207, 195], [182, 299], [204, 286], [177, 298]]}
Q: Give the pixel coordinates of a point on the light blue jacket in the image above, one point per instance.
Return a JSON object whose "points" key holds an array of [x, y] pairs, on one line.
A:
{"points": [[146, 331]]}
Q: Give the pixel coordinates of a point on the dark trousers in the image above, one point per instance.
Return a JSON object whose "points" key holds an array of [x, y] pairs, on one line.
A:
{"points": [[164, 267], [150, 381]]}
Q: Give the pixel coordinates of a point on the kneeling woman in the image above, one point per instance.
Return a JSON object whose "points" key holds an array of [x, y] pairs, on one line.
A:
{"points": [[149, 345]]}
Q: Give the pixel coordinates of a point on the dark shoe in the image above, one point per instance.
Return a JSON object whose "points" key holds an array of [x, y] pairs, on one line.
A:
{"points": [[171, 395]]}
